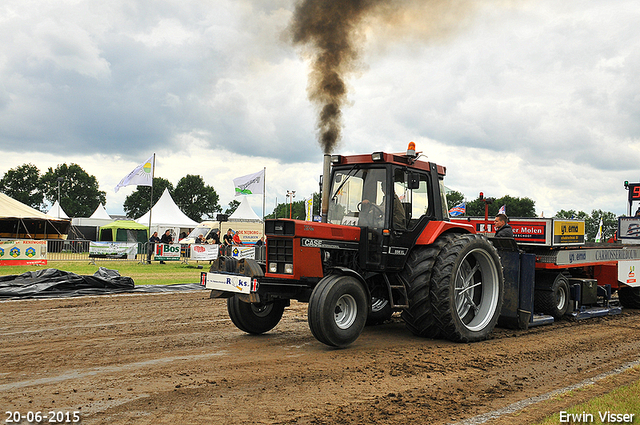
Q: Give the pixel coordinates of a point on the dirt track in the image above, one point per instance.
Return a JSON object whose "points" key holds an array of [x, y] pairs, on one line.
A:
{"points": [[177, 358]]}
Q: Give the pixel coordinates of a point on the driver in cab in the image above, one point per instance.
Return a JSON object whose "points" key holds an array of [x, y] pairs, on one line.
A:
{"points": [[373, 214]]}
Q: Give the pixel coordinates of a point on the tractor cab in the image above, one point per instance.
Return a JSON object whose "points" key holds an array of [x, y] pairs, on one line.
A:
{"points": [[391, 197]]}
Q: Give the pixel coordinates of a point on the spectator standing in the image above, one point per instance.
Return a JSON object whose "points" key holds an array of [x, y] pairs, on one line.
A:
{"points": [[153, 240], [167, 239], [503, 230], [227, 239], [215, 237]]}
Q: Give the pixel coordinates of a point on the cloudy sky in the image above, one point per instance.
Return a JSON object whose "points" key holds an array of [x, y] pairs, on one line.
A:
{"points": [[523, 98]]}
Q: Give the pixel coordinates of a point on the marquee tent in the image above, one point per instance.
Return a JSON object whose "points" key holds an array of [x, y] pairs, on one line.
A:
{"points": [[57, 211], [20, 221], [165, 215], [88, 227], [244, 212], [124, 231], [101, 213]]}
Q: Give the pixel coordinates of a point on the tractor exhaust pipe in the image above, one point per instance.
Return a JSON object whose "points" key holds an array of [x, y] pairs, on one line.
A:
{"points": [[326, 171]]}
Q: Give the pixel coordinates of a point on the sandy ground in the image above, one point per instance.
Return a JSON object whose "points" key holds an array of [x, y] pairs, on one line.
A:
{"points": [[176, 358]]}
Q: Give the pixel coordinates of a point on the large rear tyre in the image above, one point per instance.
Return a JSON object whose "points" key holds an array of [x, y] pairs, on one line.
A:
{"points": [[419, 318], [629, 296], [467, 289], [337, 310], [552, 295], [255, 318]]}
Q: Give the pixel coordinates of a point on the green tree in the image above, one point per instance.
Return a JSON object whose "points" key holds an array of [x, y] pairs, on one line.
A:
{"points": [[195, 198], [515, 207], [23, 184], [609, 225], [233, 206], [454, 198], [580, 215], [296, 209], [79, 191], [137, 204]]}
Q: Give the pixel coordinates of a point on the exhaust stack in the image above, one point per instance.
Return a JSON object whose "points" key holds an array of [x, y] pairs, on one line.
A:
{"points": [[326, 175]]}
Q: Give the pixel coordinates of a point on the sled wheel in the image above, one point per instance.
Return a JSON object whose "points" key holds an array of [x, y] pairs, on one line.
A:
{"points": [[380, 307], [255, 318], [337, 310], [552, 295], [629, 296], [467, 289]]}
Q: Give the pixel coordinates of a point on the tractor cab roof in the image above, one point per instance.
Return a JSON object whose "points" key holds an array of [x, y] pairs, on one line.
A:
{"points": [[409, 160]]}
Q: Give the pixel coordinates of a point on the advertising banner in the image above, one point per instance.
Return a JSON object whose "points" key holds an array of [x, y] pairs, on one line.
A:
{"points": [[243, 252], [23, 253], [628, 272], [204, 252], [629, 229], [167, 252], [117, 250], [568, 232]]}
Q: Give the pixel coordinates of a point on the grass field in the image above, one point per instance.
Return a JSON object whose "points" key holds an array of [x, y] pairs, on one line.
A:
{"points": [[142, 274], [624, 400]]}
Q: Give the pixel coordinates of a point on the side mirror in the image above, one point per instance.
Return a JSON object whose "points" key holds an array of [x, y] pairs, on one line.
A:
{"points": [[413, 181]]}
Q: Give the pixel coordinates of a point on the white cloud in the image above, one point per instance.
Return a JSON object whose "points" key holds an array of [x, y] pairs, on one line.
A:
{"points": [[536, 99]]}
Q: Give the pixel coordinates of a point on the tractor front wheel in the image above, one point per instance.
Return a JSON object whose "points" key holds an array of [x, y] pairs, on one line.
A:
{"points": [[337, 310]]}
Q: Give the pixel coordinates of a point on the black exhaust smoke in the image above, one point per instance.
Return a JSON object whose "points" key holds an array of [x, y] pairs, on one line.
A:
{"points": [[331, 32], [329, 28]]}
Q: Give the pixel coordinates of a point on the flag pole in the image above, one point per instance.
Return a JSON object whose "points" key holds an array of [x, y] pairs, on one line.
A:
{"points": [[153, 172], [264, 196]]}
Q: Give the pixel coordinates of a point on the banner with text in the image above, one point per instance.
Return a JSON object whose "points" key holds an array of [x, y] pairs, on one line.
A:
{"points": [[23, 253], [204, 252], [117, 250], [167, 252]]}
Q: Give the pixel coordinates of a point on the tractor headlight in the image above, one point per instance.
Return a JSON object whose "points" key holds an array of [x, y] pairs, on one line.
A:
{"points": [[273, 267], [288, 268]]}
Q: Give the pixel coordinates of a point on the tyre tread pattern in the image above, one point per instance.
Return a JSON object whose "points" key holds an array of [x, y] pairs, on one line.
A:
{"points": [[417, 273], [629, 296], [442, 301]]}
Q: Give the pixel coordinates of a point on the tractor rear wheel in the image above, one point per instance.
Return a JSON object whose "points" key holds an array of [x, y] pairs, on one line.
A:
{"points": [[418, 318], [337, 310], [629, 296], [467, 289]]}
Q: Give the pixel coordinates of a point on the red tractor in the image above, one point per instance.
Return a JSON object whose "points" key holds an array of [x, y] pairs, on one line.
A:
{"points": [[385, 244]]}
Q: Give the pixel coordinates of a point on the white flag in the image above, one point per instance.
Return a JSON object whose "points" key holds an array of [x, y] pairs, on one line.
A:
{"points": [[251, 184], [599, 234], [142, 175]]}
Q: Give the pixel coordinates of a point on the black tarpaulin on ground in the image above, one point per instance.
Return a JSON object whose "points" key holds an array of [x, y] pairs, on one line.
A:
{"points": [[53, 283], [57, 283]]}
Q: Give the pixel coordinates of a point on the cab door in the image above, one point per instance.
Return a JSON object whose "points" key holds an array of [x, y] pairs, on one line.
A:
{"points": [[412, 209]]}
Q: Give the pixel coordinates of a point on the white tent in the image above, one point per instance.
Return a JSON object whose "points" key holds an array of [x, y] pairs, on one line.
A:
{"points": [[165, 215], [57, 211], [244, 212], [89, 227], [20, 221], [101, 213]]}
